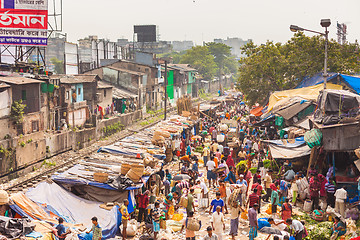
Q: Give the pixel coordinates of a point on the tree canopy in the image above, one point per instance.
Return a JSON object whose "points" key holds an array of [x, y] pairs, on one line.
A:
{"points": [[200, 58], [211, 59], [273, 66]]}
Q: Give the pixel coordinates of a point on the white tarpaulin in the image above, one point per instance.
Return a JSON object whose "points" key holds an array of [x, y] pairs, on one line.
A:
{"points": [[289, 153]]}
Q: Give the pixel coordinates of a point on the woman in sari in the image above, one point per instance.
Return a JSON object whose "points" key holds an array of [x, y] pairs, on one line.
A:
{"points": [[286, 210], [230, 161], [338, 230]]}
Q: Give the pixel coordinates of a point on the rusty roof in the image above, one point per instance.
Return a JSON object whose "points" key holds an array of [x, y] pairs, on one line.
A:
{"points": [[19, 80], [74, 79], [183, 67], [102, 85], [126, 70]]}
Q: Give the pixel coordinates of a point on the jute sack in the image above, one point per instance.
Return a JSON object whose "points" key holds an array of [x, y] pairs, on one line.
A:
{"points": [[234, 196], [193, 224], [183, 201]]}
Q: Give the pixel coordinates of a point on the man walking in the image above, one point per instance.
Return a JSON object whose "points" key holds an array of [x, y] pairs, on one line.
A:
{"points": [[252, 215], [218, 223], [268, 181]]}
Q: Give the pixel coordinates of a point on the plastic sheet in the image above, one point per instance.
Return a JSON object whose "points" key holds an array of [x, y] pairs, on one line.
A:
{"points": [[75, 209]]}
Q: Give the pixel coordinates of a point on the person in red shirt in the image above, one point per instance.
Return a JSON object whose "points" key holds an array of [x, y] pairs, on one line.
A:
{"points": [[143, 202], [258, 187], [253, 198]]}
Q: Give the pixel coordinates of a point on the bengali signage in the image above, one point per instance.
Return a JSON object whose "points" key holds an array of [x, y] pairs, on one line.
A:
{"points": [[23, 22]]}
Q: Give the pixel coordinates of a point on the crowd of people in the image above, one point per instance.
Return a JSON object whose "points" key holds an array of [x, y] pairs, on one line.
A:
{"points": [[228, 177]]}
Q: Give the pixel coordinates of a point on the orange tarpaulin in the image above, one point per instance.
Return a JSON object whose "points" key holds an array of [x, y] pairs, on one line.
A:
{"points": [[257, 111], [32, 209]]}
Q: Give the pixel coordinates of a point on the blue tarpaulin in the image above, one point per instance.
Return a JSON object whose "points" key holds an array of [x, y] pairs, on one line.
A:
{"points": [[75, 209], [298, 142], [314, 80], [352, 82]]}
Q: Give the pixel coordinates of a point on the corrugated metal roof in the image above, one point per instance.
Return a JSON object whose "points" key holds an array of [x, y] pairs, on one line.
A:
{"points": [[19, 80], [73, 79], [126, 70], [123, 93], [294, 109], [101, 85]]}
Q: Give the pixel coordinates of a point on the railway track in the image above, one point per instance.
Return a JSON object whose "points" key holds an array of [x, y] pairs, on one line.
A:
{"points": [[33, 180]]}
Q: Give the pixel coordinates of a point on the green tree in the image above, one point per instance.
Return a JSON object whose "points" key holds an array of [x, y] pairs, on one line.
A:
{"points": [[59, 65], [17, 112], [274, 66], [221, 53], [175, 56], [200, 58]]}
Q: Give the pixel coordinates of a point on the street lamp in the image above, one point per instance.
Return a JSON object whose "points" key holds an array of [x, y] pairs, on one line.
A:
{"points": [[324, 23]]}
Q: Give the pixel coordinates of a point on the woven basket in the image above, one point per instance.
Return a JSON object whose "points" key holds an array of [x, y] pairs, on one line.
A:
{"points": [[101, 177], [134, 175], [234, 196], [125, 168]]}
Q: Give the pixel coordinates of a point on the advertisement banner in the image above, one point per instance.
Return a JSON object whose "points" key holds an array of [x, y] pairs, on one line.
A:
{"points": [[23, 22]]}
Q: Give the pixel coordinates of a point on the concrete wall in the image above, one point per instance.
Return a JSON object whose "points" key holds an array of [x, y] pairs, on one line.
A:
{"points": [[77, 117], [35, 147], [60, 142], [6, 128]]}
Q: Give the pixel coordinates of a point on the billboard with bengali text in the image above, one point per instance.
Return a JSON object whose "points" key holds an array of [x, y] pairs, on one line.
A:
{"points": [[23, 22]]}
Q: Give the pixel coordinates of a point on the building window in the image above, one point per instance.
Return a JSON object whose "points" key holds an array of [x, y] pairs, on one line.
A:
{"points": [[79, 91], [23, 95], [67, 95], [35, 126], [104, 93]]}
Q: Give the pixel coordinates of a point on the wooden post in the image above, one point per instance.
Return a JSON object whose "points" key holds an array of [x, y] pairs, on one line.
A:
{"points": [[312, 159]]}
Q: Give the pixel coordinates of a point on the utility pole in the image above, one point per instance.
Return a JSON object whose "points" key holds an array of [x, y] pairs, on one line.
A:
{"points": [[165, 88]]}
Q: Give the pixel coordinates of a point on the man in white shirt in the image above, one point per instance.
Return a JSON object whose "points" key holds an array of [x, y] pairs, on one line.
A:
{"points": [[297, 227], [204, 196], [340, 197], [218, 223], [211, 176]]}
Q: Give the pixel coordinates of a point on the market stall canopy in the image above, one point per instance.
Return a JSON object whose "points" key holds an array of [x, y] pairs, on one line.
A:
{"points": [[353, 82], [309, 93], [288, 148], [289, 153], [257, 111]]}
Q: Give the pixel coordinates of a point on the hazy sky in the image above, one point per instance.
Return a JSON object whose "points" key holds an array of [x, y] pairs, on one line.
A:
{"points": [[204, 20]]}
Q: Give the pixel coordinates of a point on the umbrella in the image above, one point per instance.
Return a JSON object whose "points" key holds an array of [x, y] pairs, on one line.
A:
{"points": [[181, 177]]}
